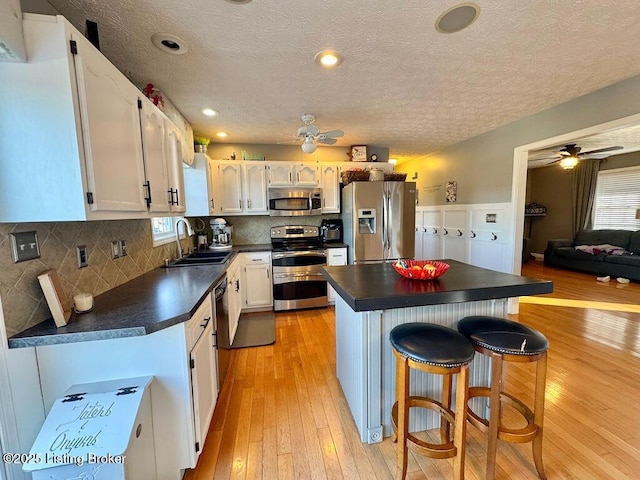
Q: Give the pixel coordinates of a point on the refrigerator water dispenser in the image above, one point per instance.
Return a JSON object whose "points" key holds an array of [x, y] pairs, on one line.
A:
{"points": [[367, 221]]}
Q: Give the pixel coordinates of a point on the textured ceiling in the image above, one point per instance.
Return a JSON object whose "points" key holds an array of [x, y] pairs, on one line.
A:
{"points": [[401, 85]]}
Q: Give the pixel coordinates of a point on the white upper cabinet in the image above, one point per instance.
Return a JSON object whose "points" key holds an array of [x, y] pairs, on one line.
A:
{"points": [[88, 162], [286, 174], [155, 157], [330, 174], [239, 188], [175, 152]]}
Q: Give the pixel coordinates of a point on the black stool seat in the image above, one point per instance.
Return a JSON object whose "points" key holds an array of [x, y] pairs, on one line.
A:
{"points": [[431, 344], [503, 336]]}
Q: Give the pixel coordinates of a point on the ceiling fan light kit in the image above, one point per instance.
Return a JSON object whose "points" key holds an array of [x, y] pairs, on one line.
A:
{"points": [[311, 135], [568, 163], [308, 146]]}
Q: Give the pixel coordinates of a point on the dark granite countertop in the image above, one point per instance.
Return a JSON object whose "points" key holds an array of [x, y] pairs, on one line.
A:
{"points": [[378, 286], [158, 299]]}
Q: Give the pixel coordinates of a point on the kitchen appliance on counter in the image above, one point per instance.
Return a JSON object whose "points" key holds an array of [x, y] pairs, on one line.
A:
{"points": [[297, 258], [331, 230], [379, 220], [295, 201], [221, 239]]}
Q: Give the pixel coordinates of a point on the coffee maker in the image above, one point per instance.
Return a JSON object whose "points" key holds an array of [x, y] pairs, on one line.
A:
{"points": [[331, 230], [221, 239]]}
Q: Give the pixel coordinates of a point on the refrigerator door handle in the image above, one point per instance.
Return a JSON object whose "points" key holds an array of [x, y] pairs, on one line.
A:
{"points": [[389, 221]]}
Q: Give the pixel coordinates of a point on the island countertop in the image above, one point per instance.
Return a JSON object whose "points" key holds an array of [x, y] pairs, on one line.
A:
{"points": [[377, 286]]}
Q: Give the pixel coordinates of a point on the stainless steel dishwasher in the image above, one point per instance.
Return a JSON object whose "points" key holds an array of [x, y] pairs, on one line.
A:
{"points": [[221, 335]]}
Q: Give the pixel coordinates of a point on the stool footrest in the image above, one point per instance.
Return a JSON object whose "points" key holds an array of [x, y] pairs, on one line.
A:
{"points": [[513, 435], [432, 450]]}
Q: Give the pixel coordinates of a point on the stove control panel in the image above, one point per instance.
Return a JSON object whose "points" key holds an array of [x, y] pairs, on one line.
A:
{"points": [[295, 232]]}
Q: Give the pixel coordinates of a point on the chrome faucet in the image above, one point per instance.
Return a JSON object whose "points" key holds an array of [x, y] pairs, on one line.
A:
{"points": [[187, 231]]}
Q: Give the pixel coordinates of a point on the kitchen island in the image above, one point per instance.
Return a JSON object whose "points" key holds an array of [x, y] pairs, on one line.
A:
{"points": [[371, 299]]}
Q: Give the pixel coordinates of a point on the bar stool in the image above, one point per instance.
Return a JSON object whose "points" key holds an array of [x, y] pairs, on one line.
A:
{"points": [[507, 341], [437, 350]]}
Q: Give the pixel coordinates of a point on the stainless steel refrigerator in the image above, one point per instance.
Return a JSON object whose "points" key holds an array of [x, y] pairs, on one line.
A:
{"points": [[379, 220]]}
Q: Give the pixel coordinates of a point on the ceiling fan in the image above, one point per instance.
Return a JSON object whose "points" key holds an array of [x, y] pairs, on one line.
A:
{"points": [[310, 135], [571, 154]]}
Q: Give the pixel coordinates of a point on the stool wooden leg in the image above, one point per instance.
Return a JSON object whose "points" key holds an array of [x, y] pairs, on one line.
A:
{"points": [[447, 382], [402, 397], [538, 413], [494, 414], [459, 434]]}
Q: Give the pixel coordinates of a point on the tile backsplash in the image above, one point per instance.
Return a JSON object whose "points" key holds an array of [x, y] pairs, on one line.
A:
{"points": [[23, 302]]}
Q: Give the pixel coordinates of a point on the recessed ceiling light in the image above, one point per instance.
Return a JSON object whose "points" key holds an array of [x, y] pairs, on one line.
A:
{"points": [[169, 43], [221, 134], [328, 58], [457, 18], [209, 112]]}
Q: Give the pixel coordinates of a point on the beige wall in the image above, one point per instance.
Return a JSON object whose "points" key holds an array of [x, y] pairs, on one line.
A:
{"points": [[483, 165]]}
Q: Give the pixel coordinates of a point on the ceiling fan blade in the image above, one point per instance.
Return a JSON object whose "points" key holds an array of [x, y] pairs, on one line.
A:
{"points": [[333, 133], [308, 130], [602, 150], [326, 141]]}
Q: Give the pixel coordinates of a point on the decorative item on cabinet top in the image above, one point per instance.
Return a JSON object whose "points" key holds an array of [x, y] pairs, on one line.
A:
{"points": [[200, 144], [535, 209]]}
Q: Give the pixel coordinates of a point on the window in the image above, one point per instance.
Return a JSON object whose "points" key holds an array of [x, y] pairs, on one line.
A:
{"points": [[164, 230], [617, 199]]}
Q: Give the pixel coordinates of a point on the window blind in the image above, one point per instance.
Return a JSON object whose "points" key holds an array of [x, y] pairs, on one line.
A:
{"points": [[617, 199]]}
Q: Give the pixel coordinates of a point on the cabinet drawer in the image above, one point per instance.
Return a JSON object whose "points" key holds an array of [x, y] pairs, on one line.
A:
{"points": [[336, 256], [257, 258], [198, 322]]}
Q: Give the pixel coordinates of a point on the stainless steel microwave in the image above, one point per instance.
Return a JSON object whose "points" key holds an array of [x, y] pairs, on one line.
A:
{"points": [[288, 202]]}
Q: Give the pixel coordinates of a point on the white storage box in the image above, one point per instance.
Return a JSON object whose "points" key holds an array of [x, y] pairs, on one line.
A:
{"points": [[97, 431]]}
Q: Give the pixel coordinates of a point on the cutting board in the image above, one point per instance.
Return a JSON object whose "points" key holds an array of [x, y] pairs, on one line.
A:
{"points": [[53, 293]]}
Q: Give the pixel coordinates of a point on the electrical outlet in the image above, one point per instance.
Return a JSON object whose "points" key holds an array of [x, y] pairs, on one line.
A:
{"points": [[83, 260], [123, 248], [24, 246], [115, 249]]}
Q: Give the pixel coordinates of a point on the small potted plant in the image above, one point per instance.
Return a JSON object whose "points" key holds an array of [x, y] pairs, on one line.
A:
{"points": [[200, 144]]}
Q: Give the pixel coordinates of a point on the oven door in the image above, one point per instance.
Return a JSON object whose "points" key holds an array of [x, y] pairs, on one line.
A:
{"points": [[298, 281]]}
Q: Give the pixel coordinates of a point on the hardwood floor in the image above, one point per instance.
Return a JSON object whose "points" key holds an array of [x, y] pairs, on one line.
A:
{"points": [[282, 413]]}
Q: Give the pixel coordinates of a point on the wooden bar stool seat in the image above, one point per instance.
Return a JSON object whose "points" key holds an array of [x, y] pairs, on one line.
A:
{"points": [[507, 341], [437, 350]]}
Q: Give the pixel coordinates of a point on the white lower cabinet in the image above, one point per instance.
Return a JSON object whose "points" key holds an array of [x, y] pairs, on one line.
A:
{"points": [[234, 296], [335, 256], [183, 397], [257, 291]]}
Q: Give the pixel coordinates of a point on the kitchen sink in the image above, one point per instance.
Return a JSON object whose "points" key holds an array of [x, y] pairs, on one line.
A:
{"points": [[200, 258]]}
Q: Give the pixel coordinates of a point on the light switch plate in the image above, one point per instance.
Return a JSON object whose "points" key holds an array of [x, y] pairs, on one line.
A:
{"points": [[115, 249], [123, 248], [83, 260], [24, 246]]}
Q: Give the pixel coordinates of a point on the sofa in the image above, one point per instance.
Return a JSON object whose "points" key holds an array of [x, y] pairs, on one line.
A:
{"points": [[602, 252]]}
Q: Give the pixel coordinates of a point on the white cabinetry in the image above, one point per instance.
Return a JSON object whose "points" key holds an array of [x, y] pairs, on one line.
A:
{"points": [[286, 174], [476, 234], [88, 163], [155, 157], [183, 397], [335, 256], [234, 297], [330, 175], [175, 167], [257, 291], [238, 188], [204, 376]]}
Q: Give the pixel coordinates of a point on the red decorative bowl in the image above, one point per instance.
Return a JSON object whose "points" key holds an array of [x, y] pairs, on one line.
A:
{"points": [[415, 269]]}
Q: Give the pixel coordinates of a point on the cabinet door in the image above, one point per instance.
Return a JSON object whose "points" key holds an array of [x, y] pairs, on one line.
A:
{"points": [[228, 193], [155, 157], [255, 188], [234, 297], [330, 174], [174, 167], [307, 175], [335, 256], [280, 174], [110, 123], [257, 287], [203, 384]]}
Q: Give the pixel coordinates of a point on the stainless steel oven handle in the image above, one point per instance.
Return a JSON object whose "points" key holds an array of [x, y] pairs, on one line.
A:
{"points": [[297, 275], [306, 253]]}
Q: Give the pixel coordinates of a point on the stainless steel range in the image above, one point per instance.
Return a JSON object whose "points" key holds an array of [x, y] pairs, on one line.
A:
{"points": [[297, 259]]}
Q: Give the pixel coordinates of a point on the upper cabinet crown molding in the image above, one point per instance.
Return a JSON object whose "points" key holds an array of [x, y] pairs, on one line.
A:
{"points": [[92, 159]]}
